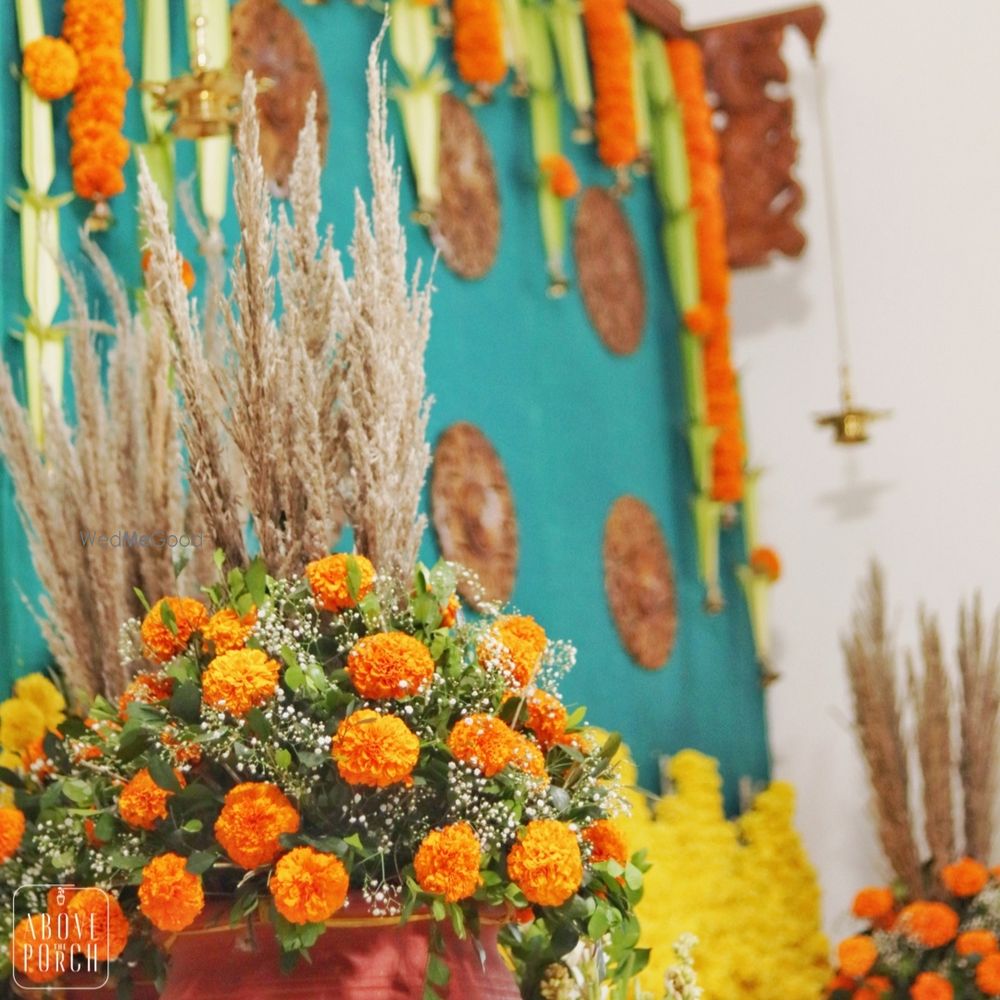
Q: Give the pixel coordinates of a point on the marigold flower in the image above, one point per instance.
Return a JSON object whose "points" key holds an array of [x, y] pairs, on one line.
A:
{"points": [[873, 988], [147, 689], [25, 953], [44, 695], [376, 750], [482, 741], [977, 942], [307, 886], [90, 832], [931, 986], [188, 278], [965, 877], [254, 815], [162, 643], [448, 861], [169, 895], [240, 680], [607, 842], [106, 927], [857, 955], [389, 665], [449, 612], [526, 756], [514, 644], [12, 825], [142, 802], [21, 724], [478, 41], [873, 903], [988, 975], [182, 753], [328, 580], [929, 924], [545, 862], [546, 717], [766, 562], [558, 173], [50, 66]]}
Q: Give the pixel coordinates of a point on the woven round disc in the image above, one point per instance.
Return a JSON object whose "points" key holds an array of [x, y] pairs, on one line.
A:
{"points": [[466, 226], [473, 512], [639, 582], [269, 40], [609, 271]]}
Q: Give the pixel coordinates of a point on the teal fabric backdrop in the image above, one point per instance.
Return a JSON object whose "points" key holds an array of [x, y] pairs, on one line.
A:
{"points": [[575, 426]]}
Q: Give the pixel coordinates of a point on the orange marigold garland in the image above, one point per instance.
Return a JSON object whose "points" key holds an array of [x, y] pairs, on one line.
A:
{"points": [[447, 862], [478, 42], [308, 886], [169, 895], [609, 41]]}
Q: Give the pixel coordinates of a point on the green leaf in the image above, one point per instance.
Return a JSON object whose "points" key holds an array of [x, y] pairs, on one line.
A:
{"points": [[219, 558], [162, 773], [77, 791], [201, 861], [167, 617], [255, 580], [598, 924], [283, 758], [10, 778], [185, 702], [437, 909], [353, 578], [258, 724], [142, 598], [633, 877], [438, 972], [104, 827], [294, 678], [193, 826]]}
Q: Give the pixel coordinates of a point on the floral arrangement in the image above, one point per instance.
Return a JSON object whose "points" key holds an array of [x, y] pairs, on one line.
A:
{"points": [[925, 949], [478, 43]]}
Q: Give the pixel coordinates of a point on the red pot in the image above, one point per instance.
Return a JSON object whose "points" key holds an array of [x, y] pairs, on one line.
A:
{"points": [[360, 957]]}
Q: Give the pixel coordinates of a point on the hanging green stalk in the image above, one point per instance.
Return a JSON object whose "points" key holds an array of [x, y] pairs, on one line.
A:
{"points": [[571, 51], [44, 350], [414, 44], [517, 45], [643, 125], [158, 149]]}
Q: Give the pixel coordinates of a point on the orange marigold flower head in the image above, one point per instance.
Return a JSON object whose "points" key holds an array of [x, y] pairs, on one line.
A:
{"points": [[308, 886], [329, 582], [187, 277], [102, 920], [929, 924], [227, 630], [169, 895], [11, 831], [839, 982], [546, 717], [977, 942], [182, 753], [873, 988], [873, 903], [142, 803], [389, 665], [50, 66], [607, 842], [857, 955], [526, 756], [240, 680], [162, 643], [515, 645], [931, 986], [988, 975], [965, 877], [147, 689], [448, 861], [482, 741], [545, 862], [25, 952], [254, 815], [449, 613], [376, 750], [90, 832], [766, 562], [559, 175]]}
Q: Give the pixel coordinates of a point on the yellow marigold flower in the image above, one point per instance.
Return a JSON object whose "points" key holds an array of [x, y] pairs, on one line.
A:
{"points": [[254, 815], [169, 895], [147, 689], [447, 862], [44, 695], [328, 580], [545, 862], [227, 631], [240, 680], [373, 749], [607, 842], [142, 803], [11, 831], [389, 665], [307, 886], [160, 642], [482, 741], [25, 953], [514, 645], [21, 724], [966, 877], [50, 66], [106, 927], [546, 717], [526, 756]]}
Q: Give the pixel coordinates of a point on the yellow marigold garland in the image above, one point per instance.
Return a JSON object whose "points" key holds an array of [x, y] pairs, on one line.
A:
{"points": [[478, 42]]}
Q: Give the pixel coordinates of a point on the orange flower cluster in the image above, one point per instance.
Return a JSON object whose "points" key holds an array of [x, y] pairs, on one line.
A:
{"points": [[988, 975], [142, 803], [50, 66], [254, 815], [162, 643], [709, 319], [389, 665], [766, 562], [240, 680], [182, 753], [559, 175], [328, 581], [526, 756], [308, 886], [478, 41], [545, 862], [96, 31], [931, 986], [546, 717], [977, 943], [965, 877], [187, 271], [482, 741], [169, 895], [11, 831], [376, 750], [105, 925], [449, 611], [930, 924], [514, 645], [877, 904], [607, 842], [148, 689], [447, 862], [609, 41], [857, 955], [25, 953]]}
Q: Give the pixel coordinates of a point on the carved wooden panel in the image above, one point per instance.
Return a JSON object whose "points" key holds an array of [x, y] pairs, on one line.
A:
{"points": [[639, 582], [466, 226], [473, 512], [747, 78], [269, 40], [609, 270]]}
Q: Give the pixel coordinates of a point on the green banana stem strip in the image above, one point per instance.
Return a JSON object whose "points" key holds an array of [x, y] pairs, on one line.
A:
{"points": [[158, 149], [757, 590], [517, 43], [571, 51], [643, 123]]}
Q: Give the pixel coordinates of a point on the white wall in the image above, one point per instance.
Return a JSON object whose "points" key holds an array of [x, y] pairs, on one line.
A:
{"points": [[913, 89]]}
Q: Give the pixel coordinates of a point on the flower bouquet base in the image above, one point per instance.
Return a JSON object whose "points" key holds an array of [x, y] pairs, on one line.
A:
{"points": [[360, 957]]}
